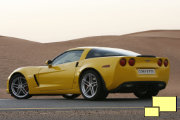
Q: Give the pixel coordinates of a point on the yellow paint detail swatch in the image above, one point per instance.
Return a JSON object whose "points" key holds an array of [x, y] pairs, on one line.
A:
{"points": [[151, 111], [165, 103]]}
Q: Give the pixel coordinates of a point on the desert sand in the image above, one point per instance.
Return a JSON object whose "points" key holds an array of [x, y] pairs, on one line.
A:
{"points": [[16, 53]]}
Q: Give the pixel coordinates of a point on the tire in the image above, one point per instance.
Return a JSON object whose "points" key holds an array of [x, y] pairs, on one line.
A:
{"points": [[18, 87], [146, 94], [71, 96], [92, 86]]}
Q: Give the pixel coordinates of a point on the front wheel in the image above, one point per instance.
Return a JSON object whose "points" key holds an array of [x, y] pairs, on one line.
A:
{"points": [[71, 96], [92, 86], [146, 94], [18, 87]]}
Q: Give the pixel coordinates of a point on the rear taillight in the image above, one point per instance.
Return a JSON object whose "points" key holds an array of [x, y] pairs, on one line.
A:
{"points": [[131, 61], [165, 62], [123, 62], [159, 62]]}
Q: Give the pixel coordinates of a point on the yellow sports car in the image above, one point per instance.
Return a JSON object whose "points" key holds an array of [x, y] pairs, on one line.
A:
{"points": [[93, 72]]}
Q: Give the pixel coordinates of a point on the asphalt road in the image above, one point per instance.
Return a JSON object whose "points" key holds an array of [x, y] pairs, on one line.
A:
{"points": [[80, 104]]}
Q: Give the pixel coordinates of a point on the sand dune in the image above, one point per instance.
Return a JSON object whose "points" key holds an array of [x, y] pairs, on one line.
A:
{"points": [[159, 33], [18, 52]]}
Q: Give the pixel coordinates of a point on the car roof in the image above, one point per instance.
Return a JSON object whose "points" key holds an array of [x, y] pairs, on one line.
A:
{"points": [[106, 48], [91, 47]]}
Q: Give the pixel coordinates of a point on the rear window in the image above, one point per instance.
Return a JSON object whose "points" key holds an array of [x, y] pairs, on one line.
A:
{"points": [[95, 52]]}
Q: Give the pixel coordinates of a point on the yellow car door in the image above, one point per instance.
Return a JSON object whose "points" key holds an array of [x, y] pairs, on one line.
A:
{"points": [[59, 75]]}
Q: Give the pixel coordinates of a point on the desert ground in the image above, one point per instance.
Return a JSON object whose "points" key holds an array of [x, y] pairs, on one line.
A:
{"points": [[15, 52]]}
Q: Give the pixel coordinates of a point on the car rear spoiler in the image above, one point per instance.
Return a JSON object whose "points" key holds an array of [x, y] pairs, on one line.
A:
{"points": [[146, 56]]}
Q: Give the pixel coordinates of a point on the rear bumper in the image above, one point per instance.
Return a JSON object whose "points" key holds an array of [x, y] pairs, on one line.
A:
{"points": [[129, 73], [129, 87]]}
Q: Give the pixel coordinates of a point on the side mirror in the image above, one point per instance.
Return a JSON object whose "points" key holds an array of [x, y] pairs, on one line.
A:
{"points": [[49, 63]]}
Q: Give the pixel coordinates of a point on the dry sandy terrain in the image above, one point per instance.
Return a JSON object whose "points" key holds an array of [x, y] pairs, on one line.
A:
{"points": [[15, 53]]}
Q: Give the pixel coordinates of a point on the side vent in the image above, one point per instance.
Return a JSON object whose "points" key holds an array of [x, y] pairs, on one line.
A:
{"points": [[36, 80]]}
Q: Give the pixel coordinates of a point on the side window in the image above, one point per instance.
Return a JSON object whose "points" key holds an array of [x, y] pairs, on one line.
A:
{"points": [[66, 57]]}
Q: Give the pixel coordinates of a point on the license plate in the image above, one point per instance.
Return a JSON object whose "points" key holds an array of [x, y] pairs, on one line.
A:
{"points": [[146, 71]]}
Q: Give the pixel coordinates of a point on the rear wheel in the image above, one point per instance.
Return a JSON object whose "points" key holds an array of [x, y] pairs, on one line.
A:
{"points": [[71, 96], [18, 87], [92, 86], [146, 94]]}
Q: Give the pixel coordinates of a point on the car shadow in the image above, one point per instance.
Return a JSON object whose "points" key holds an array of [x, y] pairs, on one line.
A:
{"points": [[116, 99], [106, 100]]}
